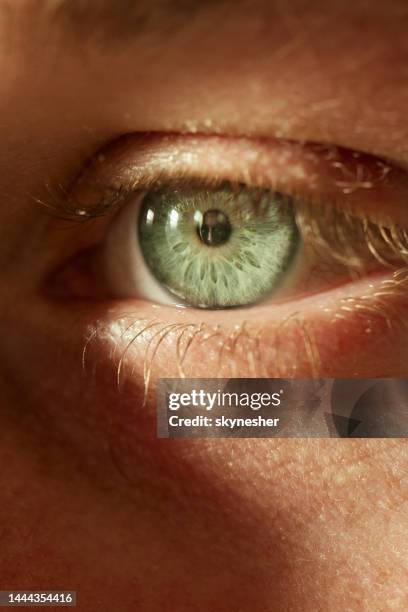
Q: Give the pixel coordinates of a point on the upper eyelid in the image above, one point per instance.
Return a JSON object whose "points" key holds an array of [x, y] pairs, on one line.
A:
{"points": [[348, 179]]}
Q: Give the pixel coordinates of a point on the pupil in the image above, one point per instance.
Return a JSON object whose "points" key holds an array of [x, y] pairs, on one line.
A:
{"points": [[214, 228]]}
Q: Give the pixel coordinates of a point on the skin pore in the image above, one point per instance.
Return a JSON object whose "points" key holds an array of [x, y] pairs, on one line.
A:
{"points": [[91, 500]]}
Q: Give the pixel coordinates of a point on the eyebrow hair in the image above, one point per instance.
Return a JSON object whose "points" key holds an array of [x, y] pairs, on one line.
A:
{"points": [[119, 20]]}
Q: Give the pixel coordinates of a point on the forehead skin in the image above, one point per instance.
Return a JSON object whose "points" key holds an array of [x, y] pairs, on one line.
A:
{"points": [[326, 71]]}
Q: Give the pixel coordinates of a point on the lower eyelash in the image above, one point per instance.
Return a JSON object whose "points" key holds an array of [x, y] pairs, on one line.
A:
{"points": [[243, 341]]}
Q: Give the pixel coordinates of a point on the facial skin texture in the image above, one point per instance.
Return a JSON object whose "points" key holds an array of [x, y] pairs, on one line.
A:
{"points": [[91, 500]]}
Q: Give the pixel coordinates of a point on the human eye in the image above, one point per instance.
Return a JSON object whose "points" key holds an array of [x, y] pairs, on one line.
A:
{"points": [[232, 232], [267, 231]]}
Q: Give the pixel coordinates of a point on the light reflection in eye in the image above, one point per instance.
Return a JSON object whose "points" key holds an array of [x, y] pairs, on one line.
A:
{"points": [[149, 217], [173, 218]]}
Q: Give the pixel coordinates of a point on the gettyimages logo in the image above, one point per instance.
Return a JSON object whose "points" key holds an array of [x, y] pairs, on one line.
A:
{"points": [[282, 408]]}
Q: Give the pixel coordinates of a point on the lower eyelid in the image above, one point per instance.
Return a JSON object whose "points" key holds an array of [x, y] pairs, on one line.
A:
{"points": [[336, 337]]}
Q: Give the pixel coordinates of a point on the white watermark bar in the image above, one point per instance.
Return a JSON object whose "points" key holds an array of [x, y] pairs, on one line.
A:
{"points": [[38, 598], [283, 408]]}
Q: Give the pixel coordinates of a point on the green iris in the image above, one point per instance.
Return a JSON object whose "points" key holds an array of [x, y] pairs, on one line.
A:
{"points": [[218, 249]]}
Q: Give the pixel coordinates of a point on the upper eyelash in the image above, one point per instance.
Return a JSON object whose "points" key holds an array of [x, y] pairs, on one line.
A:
{"points": [[62, 205], [338, 233], [352, 240]]}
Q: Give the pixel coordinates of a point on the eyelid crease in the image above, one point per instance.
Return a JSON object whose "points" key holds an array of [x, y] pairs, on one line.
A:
{"points": [[134, 162], [354, 180]]}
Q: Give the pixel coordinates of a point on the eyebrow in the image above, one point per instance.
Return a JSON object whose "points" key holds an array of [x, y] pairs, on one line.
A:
{"points": [[120, 20]]}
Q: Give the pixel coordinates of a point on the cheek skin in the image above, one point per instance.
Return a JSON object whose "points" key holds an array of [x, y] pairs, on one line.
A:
{"points": [[213, 495], [116, 351]]}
